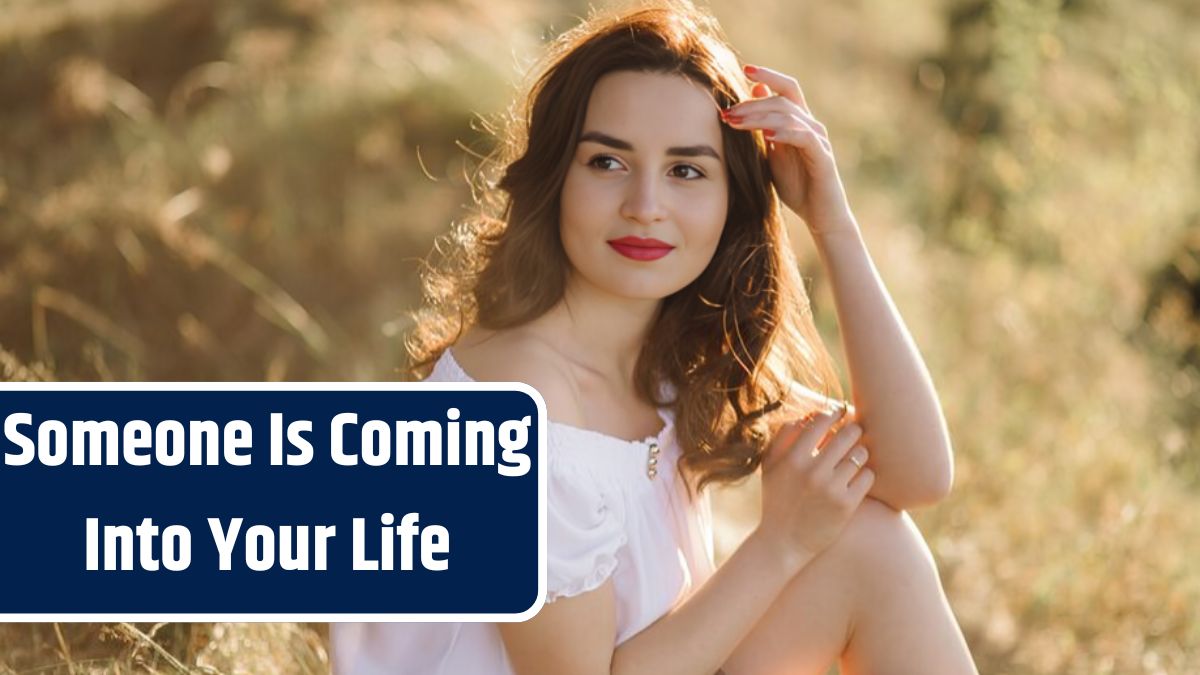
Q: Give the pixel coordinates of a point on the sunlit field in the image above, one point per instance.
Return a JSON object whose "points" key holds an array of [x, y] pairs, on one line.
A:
{"points": [[243, 190]]}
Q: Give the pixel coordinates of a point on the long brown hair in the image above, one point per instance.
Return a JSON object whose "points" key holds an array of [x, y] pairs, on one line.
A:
{"points": [[731, 343]]}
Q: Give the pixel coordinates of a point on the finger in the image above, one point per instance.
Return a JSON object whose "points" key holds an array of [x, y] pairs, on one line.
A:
{"points": [[805, 446], [855, 461], [818, 150], [783, 441], [845, 415], [849, 418], [795, 117], [851, 410], [777, 122], [838, 446], [784, 84], [861, 485], [745, 109]]}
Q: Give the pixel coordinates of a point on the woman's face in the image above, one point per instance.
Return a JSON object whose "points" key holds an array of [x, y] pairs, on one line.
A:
{"points": [[646, 195]]}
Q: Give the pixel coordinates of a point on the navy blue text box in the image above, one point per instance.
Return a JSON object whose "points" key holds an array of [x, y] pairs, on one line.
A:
{"points": [[492, 543]]}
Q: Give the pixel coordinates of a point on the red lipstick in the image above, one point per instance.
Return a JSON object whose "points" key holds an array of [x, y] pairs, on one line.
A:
{"points": [[637, 248]]}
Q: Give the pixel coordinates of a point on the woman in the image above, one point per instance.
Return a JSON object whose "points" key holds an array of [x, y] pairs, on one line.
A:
{"points": [[635, 269]]}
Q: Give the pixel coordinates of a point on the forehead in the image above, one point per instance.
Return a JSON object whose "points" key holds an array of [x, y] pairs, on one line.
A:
{"points": [[653, 110]]}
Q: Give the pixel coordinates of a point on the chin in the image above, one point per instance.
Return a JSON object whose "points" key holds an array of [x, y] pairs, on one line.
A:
{"points": [[638, 287], [655, 281]]}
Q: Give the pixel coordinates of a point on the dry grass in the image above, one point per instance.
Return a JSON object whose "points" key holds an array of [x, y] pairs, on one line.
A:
{"points": [[167, 649]]}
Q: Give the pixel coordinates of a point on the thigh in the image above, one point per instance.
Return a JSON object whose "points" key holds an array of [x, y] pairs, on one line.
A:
{"points": [[809, 626]]}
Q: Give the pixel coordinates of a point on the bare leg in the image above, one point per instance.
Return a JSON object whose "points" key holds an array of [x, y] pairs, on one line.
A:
{"points": [[903, 622], [873, 600]]}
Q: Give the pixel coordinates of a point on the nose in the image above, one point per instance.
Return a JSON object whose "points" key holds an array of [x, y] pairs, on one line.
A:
{"points": [[643, 203]]}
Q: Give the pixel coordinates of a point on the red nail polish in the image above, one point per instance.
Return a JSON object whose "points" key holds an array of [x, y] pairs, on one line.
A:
{"points": [[750, 70], [736, 119], [769, 133]]}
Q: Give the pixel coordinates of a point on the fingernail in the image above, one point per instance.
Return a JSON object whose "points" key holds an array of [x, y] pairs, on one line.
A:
{"points": [[736, 119], [768, 133], [750, 70]]}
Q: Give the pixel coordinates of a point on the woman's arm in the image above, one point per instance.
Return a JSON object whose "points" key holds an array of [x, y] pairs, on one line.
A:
{"points": [[724, 611], [575, 636], [896, 403]]}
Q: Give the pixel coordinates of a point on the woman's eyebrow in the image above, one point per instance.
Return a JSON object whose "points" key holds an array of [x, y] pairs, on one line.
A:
{"points": [[680, 151]]}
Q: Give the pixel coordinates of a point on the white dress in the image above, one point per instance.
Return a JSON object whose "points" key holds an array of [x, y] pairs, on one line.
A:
{"points": [[605, 518]]}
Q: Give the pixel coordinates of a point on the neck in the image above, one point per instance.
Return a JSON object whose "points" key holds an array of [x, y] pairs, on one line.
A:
{"points": [[602, 331]]}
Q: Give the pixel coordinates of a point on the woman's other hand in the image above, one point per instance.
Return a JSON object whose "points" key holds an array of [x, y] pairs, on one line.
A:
{"points": [[799, 151], [811, 489]]}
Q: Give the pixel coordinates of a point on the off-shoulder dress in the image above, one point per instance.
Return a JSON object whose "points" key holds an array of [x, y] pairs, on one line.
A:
{"points": [[608, 516]]}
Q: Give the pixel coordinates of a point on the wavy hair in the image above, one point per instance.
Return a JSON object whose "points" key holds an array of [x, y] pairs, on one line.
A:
{"points": [[731, 344]]}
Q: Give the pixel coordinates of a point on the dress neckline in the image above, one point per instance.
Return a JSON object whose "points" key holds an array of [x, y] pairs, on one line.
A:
{"points": [[452, 363]]}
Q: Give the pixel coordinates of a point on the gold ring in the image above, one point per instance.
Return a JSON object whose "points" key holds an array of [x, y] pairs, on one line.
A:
{"points": [[856, 461]]}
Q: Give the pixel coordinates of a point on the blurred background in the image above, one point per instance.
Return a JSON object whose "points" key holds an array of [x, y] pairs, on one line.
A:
{"points": [[241, 190]]}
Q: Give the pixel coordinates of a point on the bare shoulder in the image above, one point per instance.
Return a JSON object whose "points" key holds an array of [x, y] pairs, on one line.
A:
{"points": [[521, 356]]}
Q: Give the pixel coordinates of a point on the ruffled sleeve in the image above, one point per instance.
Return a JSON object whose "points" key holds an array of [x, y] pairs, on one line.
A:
{"points": [[585, 528]]}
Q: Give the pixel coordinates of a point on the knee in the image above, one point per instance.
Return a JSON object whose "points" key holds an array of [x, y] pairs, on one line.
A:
{"points": [[878, 537]]}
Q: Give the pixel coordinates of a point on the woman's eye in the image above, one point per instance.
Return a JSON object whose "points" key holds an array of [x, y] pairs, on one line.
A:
{"points": [[696, 173], [684, 171], [598, 161]]}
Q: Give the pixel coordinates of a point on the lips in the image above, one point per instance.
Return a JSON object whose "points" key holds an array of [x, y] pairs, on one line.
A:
{"points": [[637, 248]]}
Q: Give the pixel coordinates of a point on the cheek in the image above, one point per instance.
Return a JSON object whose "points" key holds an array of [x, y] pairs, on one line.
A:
{"points": [[577, 217], [577, 201], [707, 215], [706, 222], [569, 195]]}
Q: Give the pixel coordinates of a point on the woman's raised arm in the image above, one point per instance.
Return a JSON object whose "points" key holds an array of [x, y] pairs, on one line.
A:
{"points": [[897, 405], [896, 401]]}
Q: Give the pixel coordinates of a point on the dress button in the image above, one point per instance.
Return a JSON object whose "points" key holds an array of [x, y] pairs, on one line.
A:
{"points": [[652, 462]]}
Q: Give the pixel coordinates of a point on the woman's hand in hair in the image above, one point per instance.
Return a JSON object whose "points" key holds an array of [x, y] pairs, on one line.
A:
{"points": [[810, 488], [801, 157]]}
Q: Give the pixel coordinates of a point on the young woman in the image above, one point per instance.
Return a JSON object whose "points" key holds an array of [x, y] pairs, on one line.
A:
{"points": [[635, 269]]}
